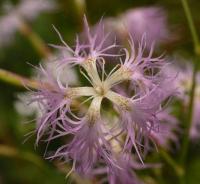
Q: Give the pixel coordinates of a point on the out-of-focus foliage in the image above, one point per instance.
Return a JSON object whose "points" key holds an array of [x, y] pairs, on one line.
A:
{"points": [[21, 162]]}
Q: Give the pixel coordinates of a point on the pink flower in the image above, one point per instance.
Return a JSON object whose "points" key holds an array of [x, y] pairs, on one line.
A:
{"points": [[149, 21], [92, 46], [93, 137], [52, 101], [167, 131]]}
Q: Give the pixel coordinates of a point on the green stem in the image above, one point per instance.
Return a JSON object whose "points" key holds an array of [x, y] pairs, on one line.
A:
{"points": [[189, 115], [192, 91], [189, 118], [12, 152], [80, 11], [35, 40], [171, 162], [191, 26], [17, 80]]}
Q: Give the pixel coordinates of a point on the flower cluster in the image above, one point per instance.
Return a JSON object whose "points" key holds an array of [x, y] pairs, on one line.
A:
{"points": [[112, 121]]}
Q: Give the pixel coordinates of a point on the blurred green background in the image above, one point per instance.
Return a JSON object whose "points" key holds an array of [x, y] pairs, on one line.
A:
{"points": [[21, 163]]}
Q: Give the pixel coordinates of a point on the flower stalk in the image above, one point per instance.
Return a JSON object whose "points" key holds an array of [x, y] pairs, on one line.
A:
{"points": [[193, 86], [34, 39], [17, 80]]}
